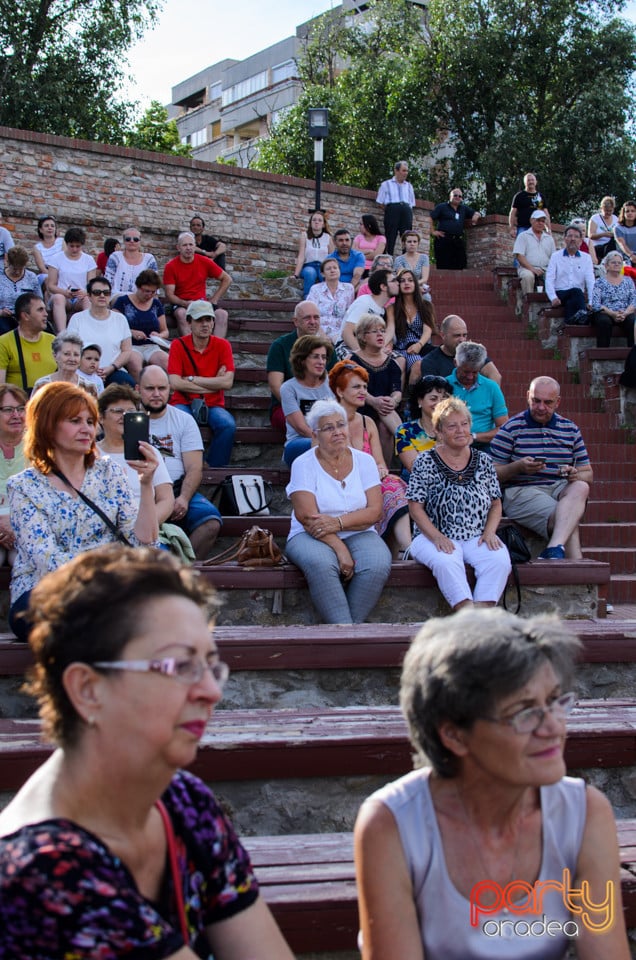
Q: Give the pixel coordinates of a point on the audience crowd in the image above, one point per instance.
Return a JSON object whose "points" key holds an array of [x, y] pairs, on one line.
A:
{"points": [[366, 381], [365, 336]]}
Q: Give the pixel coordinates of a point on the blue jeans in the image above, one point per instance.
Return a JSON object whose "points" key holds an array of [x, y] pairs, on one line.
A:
{"points": [[223, 428], [311, 274], [573, 301], [294, 447], [335, 601]]}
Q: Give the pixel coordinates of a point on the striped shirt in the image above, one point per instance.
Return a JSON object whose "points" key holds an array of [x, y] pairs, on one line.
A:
{"points": [[558, 442], [393, 192]]}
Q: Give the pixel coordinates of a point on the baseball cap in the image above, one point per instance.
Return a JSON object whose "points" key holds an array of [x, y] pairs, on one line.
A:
{"points": [[200, 308], [538, 215]]}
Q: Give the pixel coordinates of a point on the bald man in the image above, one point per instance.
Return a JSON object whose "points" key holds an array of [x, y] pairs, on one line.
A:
{"points": [[545, 471]]}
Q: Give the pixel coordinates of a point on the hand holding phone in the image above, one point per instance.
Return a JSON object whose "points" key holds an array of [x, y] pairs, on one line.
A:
{"points": [[136, 428]]}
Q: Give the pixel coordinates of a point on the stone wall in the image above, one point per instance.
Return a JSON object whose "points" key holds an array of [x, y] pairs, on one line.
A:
{"points": [[259, 215]]}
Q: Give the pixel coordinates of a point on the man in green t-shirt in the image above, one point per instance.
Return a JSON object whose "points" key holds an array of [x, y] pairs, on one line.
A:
{"points": [[29, 342]]}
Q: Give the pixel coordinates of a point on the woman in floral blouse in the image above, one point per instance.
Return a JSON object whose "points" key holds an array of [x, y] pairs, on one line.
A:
{"points": [[50, 515]]}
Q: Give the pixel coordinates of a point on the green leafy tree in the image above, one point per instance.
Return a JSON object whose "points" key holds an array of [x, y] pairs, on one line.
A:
{"points": [[63, 64], [483, 92], [356, 69], [155, 132], [536, 85]]}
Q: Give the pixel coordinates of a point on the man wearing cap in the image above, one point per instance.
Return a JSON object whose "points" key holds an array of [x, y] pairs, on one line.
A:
{"points": [[184, 280], [201, 367], [533, 249]]}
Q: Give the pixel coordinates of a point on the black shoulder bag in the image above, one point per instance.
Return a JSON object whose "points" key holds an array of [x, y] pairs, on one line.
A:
{"points": [[98, 510], [519, 553], [18, 345]]}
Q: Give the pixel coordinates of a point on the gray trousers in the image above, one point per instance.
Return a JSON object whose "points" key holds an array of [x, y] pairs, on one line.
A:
{"points": [[335, 601]]}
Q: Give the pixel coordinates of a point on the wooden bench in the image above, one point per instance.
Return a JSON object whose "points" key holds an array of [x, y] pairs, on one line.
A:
{"points": [[327, 646], [244, 745], [308, 880]]}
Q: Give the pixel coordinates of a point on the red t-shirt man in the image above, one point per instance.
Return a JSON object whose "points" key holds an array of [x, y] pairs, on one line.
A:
{"points": [[189, 278], [217, 354]]}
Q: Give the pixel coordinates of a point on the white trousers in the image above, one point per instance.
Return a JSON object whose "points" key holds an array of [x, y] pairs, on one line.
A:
{"points": [[492, 568]]}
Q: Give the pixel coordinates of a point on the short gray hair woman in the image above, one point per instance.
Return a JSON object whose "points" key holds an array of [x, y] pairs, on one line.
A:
{"points": [[613, 302], [486, 696], [67, 351], [337, 498]]}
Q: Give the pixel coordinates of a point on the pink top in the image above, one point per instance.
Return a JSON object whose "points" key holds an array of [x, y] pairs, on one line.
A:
{"points": [[368, 247]]}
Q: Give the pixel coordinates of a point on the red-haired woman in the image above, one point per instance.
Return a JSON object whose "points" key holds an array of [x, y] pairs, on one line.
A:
{"points": [[52, 503], [348, 383]]}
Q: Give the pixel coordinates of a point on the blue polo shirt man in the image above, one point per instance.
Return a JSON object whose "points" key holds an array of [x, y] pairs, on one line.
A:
{"points": [[482, 396]]}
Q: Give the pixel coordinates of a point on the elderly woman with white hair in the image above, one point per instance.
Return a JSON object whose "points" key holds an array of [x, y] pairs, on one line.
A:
{"points": [[337, 498], [613, 301], [455, 500]]}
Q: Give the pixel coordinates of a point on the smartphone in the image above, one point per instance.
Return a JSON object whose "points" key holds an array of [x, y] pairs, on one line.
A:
{"points": [[136, 428]]}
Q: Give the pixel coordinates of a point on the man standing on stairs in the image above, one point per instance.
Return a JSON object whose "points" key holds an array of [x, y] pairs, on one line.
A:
{"points": [[544, 470], [398, 199], [178, 439]]}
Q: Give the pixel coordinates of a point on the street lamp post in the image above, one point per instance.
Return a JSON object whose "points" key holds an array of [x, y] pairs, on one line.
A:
{"points": [[318, 118]]}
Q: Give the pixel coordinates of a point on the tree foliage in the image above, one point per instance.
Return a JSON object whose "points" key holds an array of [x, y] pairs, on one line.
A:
{"points": [[534, 85], [486, 91], [62, 64], [356, 70], [154, 131]]}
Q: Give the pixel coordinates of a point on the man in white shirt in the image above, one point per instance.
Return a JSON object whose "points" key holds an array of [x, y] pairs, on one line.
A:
{"points": [[383, 286], [177, 437], [533, 249], [397, 197], [569, 279]]}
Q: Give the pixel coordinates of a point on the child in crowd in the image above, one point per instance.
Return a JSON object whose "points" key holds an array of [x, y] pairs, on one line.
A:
{"points": [[89, 363], [110, 245]]}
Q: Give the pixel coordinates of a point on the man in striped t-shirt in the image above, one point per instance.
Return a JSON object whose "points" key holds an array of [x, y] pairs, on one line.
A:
{"points": [[545, 471]]}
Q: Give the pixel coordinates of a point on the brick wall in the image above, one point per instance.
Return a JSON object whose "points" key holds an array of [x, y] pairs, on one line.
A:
{"points": [[259, 215]]}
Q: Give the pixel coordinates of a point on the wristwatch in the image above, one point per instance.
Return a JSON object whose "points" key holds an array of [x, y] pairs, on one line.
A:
{"points": [[191, 379]]}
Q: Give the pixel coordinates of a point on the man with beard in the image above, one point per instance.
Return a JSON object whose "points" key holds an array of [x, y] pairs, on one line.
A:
{"points": [[176, 436]]}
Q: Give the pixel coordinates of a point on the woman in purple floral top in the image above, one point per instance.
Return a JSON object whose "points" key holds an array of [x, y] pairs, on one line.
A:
{"points": [[127, 676]]}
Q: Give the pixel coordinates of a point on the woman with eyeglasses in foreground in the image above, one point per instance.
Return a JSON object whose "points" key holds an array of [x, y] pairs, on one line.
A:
{"points": [[110, 849], [448, 856], [337, 498]]}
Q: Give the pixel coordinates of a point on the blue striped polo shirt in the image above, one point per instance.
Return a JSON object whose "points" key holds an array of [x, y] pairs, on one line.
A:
{"points": [[558, 442]]}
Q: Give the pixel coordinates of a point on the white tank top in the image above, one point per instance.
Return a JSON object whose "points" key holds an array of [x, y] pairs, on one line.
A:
{"points": [[317, 248], [444, 914]]}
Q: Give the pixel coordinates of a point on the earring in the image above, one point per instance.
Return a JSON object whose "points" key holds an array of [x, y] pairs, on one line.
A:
{"points": [[90, 720]]}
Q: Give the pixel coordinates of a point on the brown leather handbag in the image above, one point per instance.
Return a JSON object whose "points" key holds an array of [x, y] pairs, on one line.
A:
{"points": [[256, 548]]}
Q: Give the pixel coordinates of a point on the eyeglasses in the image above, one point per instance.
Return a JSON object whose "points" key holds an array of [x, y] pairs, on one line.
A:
{"points": [[187, 670], [132, 239], [9, 410], [332, 427], [437, 382], [119, 411], [100, 293], [530, 719], [458, 196]]}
